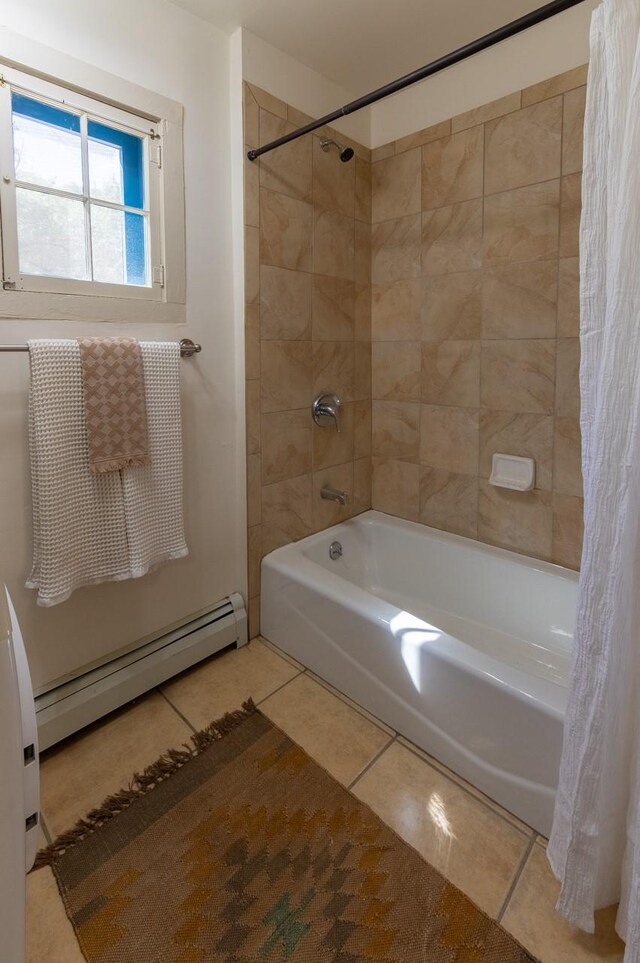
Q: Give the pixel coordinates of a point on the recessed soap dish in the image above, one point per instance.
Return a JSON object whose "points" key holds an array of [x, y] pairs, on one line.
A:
{"points": [[513, 471]]}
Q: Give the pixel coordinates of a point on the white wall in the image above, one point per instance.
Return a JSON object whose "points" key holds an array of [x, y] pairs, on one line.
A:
{"points": [[540, 52], [300, 86], [159, 46]]}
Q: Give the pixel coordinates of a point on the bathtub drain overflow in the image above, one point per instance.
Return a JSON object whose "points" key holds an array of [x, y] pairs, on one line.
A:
{"points": [[335, 551]]}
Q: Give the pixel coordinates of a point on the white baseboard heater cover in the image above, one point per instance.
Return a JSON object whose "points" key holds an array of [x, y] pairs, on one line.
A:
{"points": [[72, 705]]}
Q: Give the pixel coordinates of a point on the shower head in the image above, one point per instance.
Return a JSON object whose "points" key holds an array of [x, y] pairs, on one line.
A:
{"points": [[344, 153]]}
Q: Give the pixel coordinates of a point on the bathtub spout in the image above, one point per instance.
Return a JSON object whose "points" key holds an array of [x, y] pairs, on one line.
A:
{"points": [[333, 495]]}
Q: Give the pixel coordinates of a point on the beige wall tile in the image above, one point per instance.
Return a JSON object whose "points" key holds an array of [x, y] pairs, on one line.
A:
{"points": [[487, 112], [451, 373], [395, 249], [449, 501], [568, 378], [572, 130], [331, 447], [362, 429], [449, 438], [334, 309], [362, 372], [268, 102], [252, 341], [253, 408], [285, 231], [286, 375], [380, 153], [251, 191], [361, 485], [251, 264], [396, 186], [362, 267], [325, 512], [395, 310], [333, 244], [363, 191], [452, 168], [254, 490], [286, 445], [254, 557], [452, 238], [424, 136], [524, 147], [567, 457], [395, 488], [526, 435], [568, 526], [362, 328], [334, 183], [555, 85], [334, 368], [570, 211], [569, 298], [452, 306], [287, 513], [518, 375], [531, 917], [520, 300], [522, 225], [251, 117], [396, 430], [521, 521], [285, 304], [395, 371], [287, 169]]}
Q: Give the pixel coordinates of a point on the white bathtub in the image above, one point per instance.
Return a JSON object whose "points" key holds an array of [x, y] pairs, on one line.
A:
{"points": [[461, 647]]}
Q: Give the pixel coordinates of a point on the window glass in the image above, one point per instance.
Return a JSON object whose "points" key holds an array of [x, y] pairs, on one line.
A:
{"points": [[51, 235], [46, 144], [116, 165]]}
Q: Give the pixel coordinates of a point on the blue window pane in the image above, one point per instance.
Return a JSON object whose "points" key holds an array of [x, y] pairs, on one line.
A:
{"points": [[134, 227], [45, 113], [116, 165]]}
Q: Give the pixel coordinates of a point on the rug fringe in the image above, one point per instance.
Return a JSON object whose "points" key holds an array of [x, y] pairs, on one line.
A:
{"points": [[144, 782]]}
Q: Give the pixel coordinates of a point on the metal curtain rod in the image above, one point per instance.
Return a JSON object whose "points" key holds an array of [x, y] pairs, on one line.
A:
{"points": [[187, 347], [489, 39]]}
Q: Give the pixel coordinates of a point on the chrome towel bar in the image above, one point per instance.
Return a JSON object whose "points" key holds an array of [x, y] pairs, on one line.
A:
{"points": [[187, 347]]}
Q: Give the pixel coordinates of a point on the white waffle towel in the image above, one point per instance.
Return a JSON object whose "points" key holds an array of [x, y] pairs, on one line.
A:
{"points": [[90, 528]]}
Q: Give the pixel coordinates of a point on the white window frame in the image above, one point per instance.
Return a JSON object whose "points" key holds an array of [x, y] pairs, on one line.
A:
{"points": [[118, 103]]}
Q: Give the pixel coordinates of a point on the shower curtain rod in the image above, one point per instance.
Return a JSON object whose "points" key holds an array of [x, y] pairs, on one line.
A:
{"points": [[489, 39]]}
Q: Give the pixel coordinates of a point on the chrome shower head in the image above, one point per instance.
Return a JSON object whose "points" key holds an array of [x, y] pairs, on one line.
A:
{"points": [[344, 153]]}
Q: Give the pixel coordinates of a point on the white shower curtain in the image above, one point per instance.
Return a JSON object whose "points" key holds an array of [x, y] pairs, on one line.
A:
{"points": [[595, 843]]}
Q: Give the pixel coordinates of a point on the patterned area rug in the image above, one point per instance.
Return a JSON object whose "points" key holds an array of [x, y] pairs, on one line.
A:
{"points": [[243, 849]]}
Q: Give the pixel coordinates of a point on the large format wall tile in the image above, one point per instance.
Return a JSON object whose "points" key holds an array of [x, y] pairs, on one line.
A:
{"points": [[518, 375], [334, 309], [567, 530], [287, 512], [395, 488], [567, 457], [524, 147], [395, 249], [287, 170], [286, 445], [334, 368], [449, 438], [520, 300], [452, 306], [521, 521], [395, 310], [487, 112], [333, 244], [334, 185], [285, 304], [452, 169], [569, 297], [572, 130], [285, 231], [449, 501], [570, 211], [526, 435], [395, 371], [331, 447], [286, 374], [452, 238], [451, 373], [396, 186], [568, 378], [396, 430], [522, 225]]}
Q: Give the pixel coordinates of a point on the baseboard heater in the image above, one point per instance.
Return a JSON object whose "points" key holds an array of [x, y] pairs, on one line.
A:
{"points": [[70, 706]]}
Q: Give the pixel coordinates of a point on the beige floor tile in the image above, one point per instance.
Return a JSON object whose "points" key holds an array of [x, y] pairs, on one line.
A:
{"points": [[82, 771], [283, 655], [224, 682], [50, 936], [465, 840], [334, 734], [518, 823], [354, 705], [531, 917]]}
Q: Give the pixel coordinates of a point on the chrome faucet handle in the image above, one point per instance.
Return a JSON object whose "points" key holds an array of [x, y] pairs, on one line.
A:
{"points": [[326, 410]]}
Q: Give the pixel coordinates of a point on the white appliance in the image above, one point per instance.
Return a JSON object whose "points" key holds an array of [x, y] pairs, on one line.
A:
{"points": [[19, 782]]}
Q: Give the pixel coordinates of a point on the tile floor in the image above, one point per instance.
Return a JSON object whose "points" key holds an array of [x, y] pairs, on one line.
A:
{"points": [[493, 857]]}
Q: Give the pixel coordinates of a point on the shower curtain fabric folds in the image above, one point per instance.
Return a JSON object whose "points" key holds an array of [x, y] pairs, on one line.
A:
{"points": [[594, 848]]}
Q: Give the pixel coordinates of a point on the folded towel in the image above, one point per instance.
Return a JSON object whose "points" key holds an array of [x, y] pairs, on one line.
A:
{"points": [[108, 526], [114, 402]]}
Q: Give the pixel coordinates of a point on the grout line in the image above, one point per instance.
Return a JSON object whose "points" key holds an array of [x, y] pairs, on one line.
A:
{"points": [[283, 686], [372, 761], [516, 878], [176, 710], [45, 828]]}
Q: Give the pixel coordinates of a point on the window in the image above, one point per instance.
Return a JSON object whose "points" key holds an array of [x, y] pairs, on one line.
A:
{"points": [[84, 207]]}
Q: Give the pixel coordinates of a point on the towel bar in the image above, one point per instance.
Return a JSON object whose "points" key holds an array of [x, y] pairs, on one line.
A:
{"points": [[187, 347]]}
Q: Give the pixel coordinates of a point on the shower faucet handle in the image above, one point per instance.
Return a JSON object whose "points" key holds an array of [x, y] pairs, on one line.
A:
{"points": [[326, 410]]}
